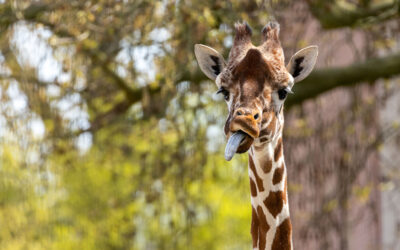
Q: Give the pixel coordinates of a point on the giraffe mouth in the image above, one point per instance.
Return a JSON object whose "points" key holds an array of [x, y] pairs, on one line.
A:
{"points": [[239, 142]]}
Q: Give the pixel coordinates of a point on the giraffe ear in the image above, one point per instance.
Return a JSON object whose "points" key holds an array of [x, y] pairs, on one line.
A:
{"points": [[210, 61], [302, 63]]}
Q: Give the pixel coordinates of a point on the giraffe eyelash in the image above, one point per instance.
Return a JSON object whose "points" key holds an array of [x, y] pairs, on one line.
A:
{"points": [[282, 93], [225, 92]]}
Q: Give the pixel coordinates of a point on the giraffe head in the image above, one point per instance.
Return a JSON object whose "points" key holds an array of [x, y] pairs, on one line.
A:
{"points": [[254, 83]]}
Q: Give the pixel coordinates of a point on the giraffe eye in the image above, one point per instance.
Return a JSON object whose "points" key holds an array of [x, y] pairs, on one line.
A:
{"points": [[282, 93], [225, 92]]}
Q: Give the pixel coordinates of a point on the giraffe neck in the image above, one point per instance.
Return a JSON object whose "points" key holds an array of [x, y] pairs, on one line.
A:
{"points": [[270, 224]]}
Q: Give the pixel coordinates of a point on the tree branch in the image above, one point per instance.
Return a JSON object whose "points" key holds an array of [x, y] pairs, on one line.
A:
{"points": [[332, 14], [317, 83], [323, 80]]}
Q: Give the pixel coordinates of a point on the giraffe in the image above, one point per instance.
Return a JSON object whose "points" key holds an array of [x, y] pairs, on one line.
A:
{"points": [[254, 83]]}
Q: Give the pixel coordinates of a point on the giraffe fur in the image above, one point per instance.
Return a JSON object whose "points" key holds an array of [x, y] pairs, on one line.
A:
{"points": [[255, 83]]}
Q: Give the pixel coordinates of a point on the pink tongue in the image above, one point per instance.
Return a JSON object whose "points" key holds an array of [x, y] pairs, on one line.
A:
{"points": [[233, 144]]}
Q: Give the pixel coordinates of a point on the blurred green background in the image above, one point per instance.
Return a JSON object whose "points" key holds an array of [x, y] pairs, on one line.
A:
{"points": [[111, 137]]}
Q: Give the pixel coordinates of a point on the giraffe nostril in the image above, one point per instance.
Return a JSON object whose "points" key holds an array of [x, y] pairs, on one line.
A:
{"points": [[239, 113], [256, 116]]}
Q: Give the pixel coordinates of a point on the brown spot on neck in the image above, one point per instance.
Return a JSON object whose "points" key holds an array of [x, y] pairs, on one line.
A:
{"points": [[274, 202], [258, 179], [278, 150], [283, 235], [253, 188], [264, 132], [278, 174], [254, 227], [263, 228], [266, 165]]}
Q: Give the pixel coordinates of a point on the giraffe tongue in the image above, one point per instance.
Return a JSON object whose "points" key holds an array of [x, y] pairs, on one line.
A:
{"points": [[233, 144]]}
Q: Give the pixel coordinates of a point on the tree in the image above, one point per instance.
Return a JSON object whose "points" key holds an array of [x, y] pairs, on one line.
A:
{"points": [[103, 105]]}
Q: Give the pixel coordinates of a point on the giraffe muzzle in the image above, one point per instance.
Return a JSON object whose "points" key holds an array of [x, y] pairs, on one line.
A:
{"points": [[246, 122], [244, 128]]}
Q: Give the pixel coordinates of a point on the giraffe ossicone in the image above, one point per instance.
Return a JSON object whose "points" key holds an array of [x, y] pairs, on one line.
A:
{"points": [[255, 83]]}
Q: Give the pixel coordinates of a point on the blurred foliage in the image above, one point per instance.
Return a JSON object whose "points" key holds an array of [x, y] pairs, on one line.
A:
{"points": [[109, 136], [89, 159]]}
